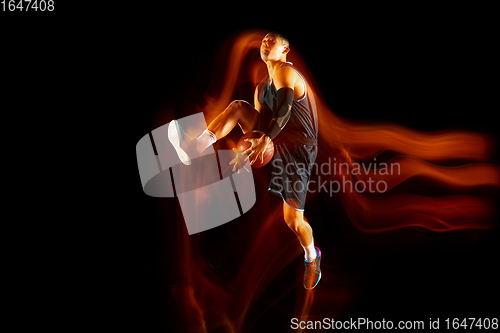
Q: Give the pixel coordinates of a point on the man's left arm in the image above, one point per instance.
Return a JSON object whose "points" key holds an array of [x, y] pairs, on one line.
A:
{"points": [[284, 81]]}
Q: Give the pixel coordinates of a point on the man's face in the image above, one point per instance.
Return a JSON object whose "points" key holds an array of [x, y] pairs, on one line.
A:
{"points": [[272, 48]]}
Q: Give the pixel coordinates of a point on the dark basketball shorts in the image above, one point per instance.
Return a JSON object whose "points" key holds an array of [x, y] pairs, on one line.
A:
{"points": [[292, 166]]}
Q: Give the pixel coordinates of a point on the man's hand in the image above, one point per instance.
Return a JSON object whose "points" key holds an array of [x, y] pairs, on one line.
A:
{"points": [[257, 148], [239, 161]]}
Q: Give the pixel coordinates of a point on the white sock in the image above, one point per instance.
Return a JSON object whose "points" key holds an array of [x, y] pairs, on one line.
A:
{"points": [[205, 140], [310, 251]]}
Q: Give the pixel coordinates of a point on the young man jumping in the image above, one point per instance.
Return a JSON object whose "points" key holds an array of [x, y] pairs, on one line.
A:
{"points": [[284, 110]]}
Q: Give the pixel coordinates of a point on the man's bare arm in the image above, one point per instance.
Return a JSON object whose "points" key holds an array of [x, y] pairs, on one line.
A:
{"points": [[285, 78], [256, 103]]}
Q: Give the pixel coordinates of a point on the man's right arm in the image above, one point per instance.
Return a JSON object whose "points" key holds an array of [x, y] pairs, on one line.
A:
{"points": [[256, 103]]}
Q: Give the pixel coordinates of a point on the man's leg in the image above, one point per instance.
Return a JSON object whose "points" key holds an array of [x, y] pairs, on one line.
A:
{"points": [[238, 112], [295, 221], [298, 224]]}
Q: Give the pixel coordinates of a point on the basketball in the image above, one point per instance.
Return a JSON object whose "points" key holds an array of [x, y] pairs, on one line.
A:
{"points": [[244, 145]]}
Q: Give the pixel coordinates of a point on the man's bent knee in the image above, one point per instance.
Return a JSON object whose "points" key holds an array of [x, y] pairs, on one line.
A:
{"points": [[245, 113], [236, 105]]}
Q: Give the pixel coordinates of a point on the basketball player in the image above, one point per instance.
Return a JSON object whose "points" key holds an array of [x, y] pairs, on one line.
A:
{"points": [[286, 113]]}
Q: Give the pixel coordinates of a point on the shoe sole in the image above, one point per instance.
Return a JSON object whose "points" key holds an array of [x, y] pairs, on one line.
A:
{"points": [[319, 278], [317, 281], [174, 136]]}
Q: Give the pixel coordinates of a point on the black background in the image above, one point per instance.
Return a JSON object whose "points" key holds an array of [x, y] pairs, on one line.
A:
{"points": [[425, 69], [113, 70]]}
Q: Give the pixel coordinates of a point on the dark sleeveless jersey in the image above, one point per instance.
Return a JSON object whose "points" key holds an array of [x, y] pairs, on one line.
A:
{"points": [[295, 147], [303, 124]]}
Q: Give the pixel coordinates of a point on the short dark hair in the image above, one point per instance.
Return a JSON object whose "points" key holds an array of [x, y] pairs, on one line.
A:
{"points": [[282, 37]]}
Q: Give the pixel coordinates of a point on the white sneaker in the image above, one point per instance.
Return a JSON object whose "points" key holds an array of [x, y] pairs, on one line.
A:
{"points": [[181, 142]]}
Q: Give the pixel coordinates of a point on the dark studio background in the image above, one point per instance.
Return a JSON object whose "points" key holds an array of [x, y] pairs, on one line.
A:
{"points": [[124, 68], [425, 70]]}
